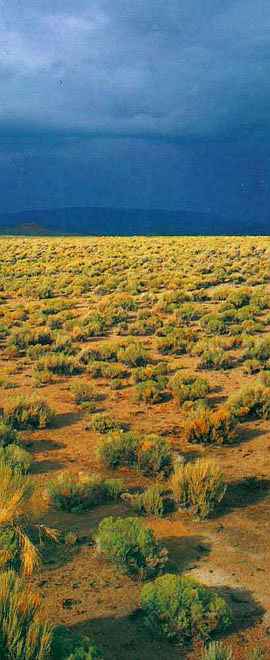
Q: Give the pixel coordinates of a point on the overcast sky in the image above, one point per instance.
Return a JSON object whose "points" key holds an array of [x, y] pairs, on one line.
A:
{"points": [[151, 103]]}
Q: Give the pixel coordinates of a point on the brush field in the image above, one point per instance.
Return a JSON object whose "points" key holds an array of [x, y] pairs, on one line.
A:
{"points": [[135, 383]]}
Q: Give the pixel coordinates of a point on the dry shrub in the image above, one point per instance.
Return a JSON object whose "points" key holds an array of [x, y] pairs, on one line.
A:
{"points": [[205, 427], [198, 486]]}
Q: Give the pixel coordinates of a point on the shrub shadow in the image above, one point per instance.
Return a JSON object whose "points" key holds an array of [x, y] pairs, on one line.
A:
{"points": [[126, 638], [243, 493], [185, 551], [41, 467], [246, 611], [68, 419]]}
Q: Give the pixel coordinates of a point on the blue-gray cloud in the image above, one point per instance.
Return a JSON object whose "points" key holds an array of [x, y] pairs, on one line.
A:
{"points": [[147, 103], [195, 68]]}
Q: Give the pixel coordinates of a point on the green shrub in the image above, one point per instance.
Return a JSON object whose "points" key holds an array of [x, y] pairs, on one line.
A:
{"points": [[257, 654], [79, 492], [23, 413], [8, 435], [150, 502], [174, 343], [251, 366], [134, 355], [59, 364], [180, 607], [205, 427], [150, 391], [154, 456], [119, 449], [265, 378], [215, 359], [239, 298], [198, 486], [24, 635], [217, 651], [188, 388], [63, 344], [150, 372], [214, 324], [102, 423], [84, 392], [131, 546], [258, 350], [84, 650], [251, 401], [16, 457], [25, 337]]}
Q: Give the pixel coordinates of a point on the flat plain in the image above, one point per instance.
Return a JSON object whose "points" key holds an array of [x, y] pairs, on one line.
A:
{"points": [[166, 340]]}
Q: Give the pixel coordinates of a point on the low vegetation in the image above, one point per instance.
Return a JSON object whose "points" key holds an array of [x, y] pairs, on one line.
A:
{"points": [[135, 408], [179, 607]]}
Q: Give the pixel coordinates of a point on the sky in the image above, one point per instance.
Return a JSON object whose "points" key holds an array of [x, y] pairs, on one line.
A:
{"points": [[148, 104]]}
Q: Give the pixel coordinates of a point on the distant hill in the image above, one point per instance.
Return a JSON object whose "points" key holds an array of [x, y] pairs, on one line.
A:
{"points": [[99, 221]]}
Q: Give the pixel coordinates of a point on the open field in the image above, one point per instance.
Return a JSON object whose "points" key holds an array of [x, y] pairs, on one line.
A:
{"points": [[130, 338]]}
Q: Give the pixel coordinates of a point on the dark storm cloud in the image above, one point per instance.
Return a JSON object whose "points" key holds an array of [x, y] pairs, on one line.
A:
{"points": [[145, 103], [196, 68]]}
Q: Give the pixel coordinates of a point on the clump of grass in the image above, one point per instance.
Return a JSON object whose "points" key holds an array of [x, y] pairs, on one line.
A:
{"points": [[119, 449], [150, 502], [199, 486], [59, 364], [131, 546], [102, 423], [154, 456], [24, 634], [217, 651], [8, 435], [16, 457], [215, 359], [205, 427], [150, 391], [20, 535], [80, 492], [188, 388], [28, 412], [179, 607], [133, 355], [251, 401], [85, 392]]}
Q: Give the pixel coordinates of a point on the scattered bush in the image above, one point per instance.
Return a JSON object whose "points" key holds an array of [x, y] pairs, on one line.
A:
{"points": [[59, 364], [217, 651], [150, 502], [102, 423], [251, 401], [174, 343], [24, 634], [150, 372], [215, 359], [154, 456], [251, 366], [79, 492], [188, 388], [207, 427], [119, 449], [131, 546], [198, 486], [16, 457], [7, 434], [180, 607], [150, 391], [134, 355], [23, 413], [84, 392]]}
